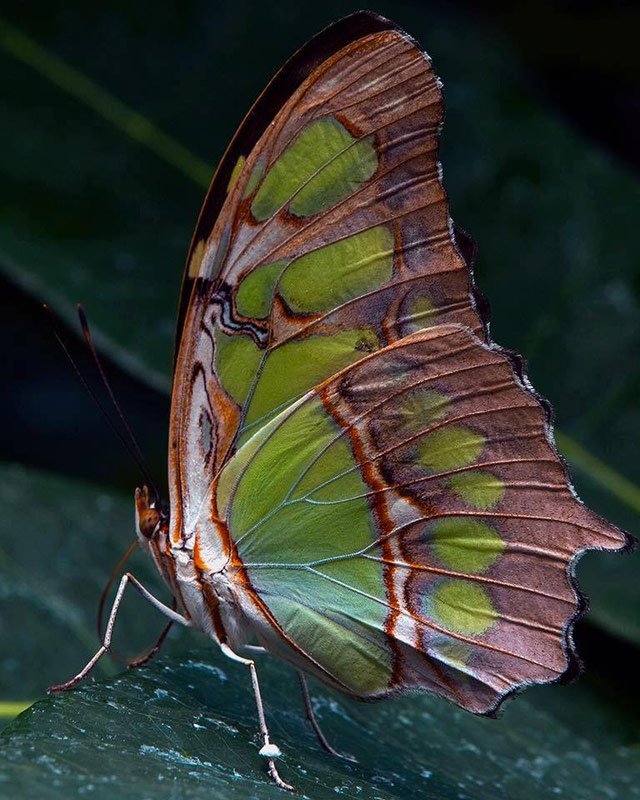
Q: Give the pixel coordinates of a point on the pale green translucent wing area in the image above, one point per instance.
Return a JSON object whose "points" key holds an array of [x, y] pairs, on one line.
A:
{"points": [[408, 524], [334, 241]]}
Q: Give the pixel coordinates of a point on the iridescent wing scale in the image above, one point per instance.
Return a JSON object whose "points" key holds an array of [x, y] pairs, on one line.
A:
{"points": [[377, 478]]}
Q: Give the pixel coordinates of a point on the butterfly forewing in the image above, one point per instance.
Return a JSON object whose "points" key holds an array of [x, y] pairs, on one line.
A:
{"points": [[328, 247], [380, 483]]}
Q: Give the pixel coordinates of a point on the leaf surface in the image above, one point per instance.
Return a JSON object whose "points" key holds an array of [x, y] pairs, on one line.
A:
{"points": [[186, 728]]}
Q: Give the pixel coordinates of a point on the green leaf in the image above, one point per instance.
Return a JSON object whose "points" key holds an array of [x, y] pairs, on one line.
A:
{"points": [[87, 229], [145, 724], [186, 728]]}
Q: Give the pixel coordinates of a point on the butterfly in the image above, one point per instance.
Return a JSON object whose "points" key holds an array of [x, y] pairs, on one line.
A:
{"points": [[362, 483]]}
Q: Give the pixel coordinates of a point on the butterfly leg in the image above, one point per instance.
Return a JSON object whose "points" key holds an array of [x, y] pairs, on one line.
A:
{"points": [[254, 648], [322, 739], [269, 750], [127, 579], [144, 659]]}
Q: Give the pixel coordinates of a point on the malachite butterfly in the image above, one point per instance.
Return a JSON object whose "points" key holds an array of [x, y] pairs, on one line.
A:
{"points": [[361, 481]]}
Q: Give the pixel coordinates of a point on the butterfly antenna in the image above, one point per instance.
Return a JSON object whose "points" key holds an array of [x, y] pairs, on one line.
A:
{"points": [[132, 445], [132, 449]]}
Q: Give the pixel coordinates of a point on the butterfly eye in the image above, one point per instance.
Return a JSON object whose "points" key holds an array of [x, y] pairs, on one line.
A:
{"points": [[149, 522], [149, 519]]}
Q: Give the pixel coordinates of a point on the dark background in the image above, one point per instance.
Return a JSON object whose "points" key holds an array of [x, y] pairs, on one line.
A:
{"points": [[112, 117]]}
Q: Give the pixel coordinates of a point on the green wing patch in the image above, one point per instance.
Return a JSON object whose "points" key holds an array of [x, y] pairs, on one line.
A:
{"points": [[254, 297], [325, 278], [297, 366], [322, 165]]}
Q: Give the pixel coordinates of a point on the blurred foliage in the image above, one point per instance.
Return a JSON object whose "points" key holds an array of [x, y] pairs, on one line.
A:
{"points": [[110, 116]]}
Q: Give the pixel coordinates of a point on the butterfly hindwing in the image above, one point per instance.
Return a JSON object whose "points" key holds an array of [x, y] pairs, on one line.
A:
{"points": [[422, 532]]}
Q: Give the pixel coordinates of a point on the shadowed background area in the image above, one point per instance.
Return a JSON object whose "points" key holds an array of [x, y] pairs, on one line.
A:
{"points": [[112, 122]]}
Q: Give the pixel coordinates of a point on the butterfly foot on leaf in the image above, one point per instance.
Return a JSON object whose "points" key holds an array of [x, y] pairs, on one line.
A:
{"points": [[61, 687], [270, 750], [275, 777], [344, 756]]}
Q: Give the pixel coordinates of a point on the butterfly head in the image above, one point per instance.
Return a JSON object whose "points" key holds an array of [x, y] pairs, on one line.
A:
{"points": [[151, 517]]}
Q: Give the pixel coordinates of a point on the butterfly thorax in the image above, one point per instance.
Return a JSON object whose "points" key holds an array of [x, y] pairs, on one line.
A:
{"points": [[206, 596]]}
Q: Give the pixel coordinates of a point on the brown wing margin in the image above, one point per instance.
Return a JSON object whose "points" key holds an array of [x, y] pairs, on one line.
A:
{"points": [[296, 70], [467, 248]]}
